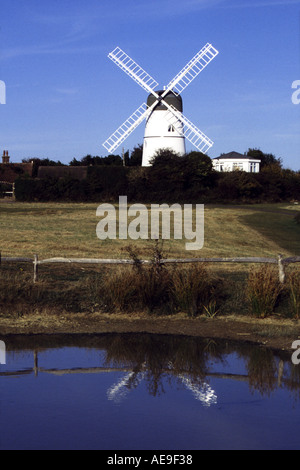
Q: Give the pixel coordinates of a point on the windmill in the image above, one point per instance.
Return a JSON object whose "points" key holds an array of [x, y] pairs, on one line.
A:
{"points": [[166, 126]]}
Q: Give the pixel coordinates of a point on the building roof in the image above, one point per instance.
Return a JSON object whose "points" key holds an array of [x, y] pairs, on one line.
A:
{"points": [[234, 156], [9, 172], [61, 171]]}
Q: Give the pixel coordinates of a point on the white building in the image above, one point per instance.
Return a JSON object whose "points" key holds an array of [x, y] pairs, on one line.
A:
{"points": [[233, 161]]}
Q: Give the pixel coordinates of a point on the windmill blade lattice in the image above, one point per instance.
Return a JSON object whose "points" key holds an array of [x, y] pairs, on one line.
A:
{"points": [[192, 69], [113, 142], [132, 69]]}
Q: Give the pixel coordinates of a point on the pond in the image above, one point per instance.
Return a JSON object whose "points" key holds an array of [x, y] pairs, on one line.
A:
{"points": [[146, 392]]}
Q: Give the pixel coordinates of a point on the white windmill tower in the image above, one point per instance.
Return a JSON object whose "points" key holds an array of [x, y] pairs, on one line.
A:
{"points": [[166, 126]]}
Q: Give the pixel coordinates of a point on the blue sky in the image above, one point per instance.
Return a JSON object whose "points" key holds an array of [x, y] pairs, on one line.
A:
{"points": [[65, 97]]}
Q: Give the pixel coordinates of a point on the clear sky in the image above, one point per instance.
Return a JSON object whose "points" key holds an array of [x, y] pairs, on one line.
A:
{"points": [[65, 97]]}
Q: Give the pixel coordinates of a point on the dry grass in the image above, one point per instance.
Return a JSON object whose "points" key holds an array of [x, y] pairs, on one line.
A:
{"points": [[69, 230], [293, 287], [194, 290], [158, 288], [190, 290], [263, 290]]}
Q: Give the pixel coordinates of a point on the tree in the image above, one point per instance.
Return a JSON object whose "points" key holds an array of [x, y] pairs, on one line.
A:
{"points": [[89, 160], [115, 160], [136, 156], [75, 162], [199, 163], [181, 178], [164, 157], [267, 159]]}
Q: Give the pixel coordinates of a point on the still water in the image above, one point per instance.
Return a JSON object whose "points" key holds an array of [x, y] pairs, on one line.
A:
{"points": [[133, 392]]}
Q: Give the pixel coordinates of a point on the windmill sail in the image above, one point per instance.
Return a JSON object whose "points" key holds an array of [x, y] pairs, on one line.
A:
{"points": [[113, 142], [132, 69], [192, 69], [189, 130]]}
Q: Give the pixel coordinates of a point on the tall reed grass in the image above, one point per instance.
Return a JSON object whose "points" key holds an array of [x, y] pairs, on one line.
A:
{"points": [[194, 291], [293, 286], [263, 289]]}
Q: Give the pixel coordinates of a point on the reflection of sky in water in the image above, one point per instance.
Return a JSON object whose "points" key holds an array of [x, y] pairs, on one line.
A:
{"points": [[72, 398]]}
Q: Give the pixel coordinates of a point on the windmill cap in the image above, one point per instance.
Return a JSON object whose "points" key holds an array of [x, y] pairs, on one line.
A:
{"points": [[170, 98]]}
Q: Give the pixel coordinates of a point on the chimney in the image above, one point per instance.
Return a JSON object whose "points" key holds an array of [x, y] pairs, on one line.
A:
{"points": [[5, 157]]}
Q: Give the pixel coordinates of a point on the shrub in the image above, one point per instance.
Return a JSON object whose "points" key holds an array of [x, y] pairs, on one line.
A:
{"points": [[107, 182], [118, 291], [18, 294], [152, 281], [136, 290], [193, 290], [263, 289], [153, 288], [141, 287]]}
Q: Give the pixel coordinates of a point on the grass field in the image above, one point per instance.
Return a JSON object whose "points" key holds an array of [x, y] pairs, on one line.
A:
{"points": [[69, 230]]}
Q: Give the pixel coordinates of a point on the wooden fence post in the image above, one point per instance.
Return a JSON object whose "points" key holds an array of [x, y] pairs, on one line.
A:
{"points": [[281, 269], [35, 269]]}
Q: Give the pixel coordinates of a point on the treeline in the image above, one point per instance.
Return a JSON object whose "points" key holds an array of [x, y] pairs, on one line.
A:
{"points": [[128, 159], [187, 179]]}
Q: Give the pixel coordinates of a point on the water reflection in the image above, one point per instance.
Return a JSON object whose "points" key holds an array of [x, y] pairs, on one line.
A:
{"points": [[183, 362], [146, 392]]}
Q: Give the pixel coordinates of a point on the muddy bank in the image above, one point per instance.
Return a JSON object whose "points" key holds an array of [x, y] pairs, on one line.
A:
{"points": [[272, 332]]}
